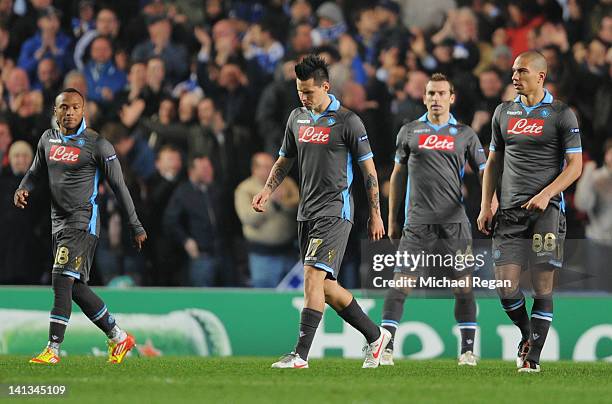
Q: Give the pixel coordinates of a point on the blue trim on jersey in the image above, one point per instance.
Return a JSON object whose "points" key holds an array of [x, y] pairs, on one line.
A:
{"points": [[407, 202], [282, 153], [574, 150], [548, 99], [346, 193], [491, 147], [466, 324], [462, 171], [81, 129], [397, 160], [324, 267], [482, 166], [366, 157], [562, 203], [58, 317], [75, 275], [451, 121], [94, 206], [333, 106]]}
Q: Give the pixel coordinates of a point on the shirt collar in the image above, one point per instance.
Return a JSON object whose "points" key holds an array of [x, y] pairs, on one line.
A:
{"points": [[451, 120], [548, 99]]}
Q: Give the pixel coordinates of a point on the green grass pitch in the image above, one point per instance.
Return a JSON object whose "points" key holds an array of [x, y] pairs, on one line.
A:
{"points": [[250, 380]]}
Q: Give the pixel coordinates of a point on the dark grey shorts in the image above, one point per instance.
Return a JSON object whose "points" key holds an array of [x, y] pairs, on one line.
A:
{"points": [[74, 253], [438, 244], [529, 238], [323, 242]]}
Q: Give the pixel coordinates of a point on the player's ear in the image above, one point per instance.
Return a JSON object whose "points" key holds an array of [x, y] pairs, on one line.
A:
{"points": [[326, 86], [452, 98]]}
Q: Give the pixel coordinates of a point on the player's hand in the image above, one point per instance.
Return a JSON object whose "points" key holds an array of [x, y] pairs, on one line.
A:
{"points": [[376, 228], [395, 231], [259, 201], [139, 240], [485, 220], [538, 203], [20, 198]]}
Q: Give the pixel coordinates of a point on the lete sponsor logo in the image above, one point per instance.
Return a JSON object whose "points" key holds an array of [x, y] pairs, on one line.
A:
{"points": [[437, 142], [314, 134], [524, 126], [64, 154]]}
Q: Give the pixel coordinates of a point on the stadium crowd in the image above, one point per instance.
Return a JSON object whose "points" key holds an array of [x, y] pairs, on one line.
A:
{"points": [[194, 95]]}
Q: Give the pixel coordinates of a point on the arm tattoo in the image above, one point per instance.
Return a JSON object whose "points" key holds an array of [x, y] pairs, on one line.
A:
{"points": [[374, 201], [277, 175], [371, 182], [372, 188]]}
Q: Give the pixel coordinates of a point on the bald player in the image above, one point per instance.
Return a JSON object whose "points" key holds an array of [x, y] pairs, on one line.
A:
{"points": [[536, 153]]}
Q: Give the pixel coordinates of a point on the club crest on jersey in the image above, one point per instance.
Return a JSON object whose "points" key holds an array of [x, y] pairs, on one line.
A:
{"points": [[81, 142], [525, 126], [545, 113], [64, 154], [314, 134], [453, 130], [437, 142], [331, 121]]}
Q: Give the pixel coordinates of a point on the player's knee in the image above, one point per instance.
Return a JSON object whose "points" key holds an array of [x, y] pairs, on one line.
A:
{"points": [[508, 292], [313, 278]]}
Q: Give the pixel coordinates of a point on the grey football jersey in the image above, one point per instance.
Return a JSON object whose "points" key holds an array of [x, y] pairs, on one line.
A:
{"points": [[326, 146], [436, 157], [74, 166], [533, 142]]}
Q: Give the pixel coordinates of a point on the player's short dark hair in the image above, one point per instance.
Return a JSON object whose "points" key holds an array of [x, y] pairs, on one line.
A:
{"points": [[70, 90], [312, 67], [442, 77]]}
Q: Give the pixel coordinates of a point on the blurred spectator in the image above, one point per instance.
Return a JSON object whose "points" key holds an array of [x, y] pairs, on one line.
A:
{"points": [[49, 42], [594, 196], [409, 105], [460, 31], [192, 220], [103, 77], [428, 15], [331, 24], [6, 138], [524, 16], [115, 256], [48, 81], [491, 87], [22, 231], [160, 187], [300, 38], [84, 22], [160, 45], [107, 25], [393, 33], [367, 37], [277, 101], [271, 235], [259, 43], [17, 84]]}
